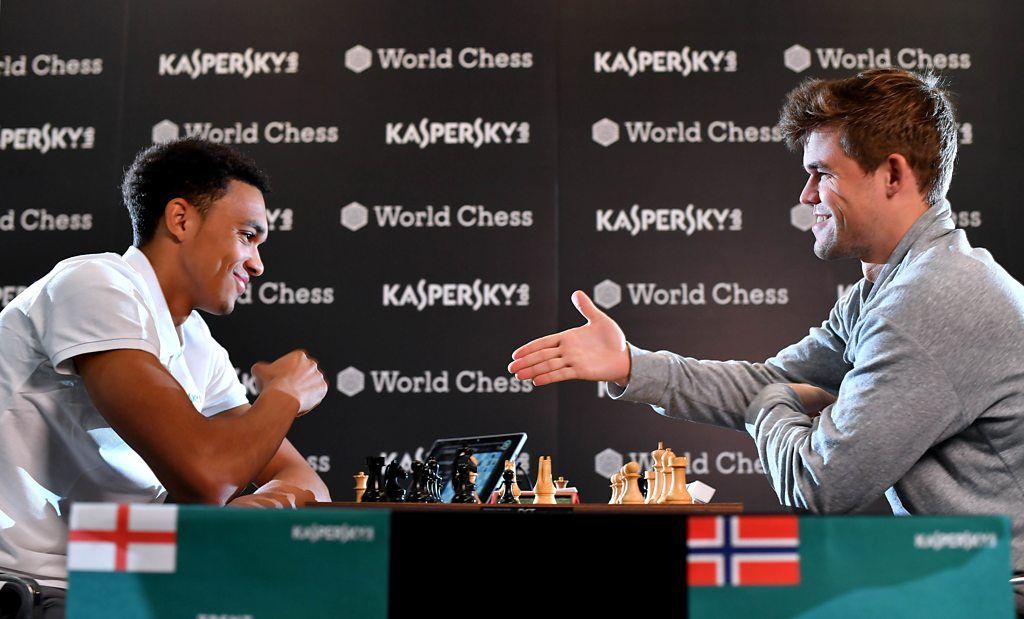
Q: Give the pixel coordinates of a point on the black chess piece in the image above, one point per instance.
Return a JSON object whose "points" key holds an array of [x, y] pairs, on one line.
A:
{"points": [[642, 484], [507, 496], [374, 483], [418, 490], [463, 487], [433, 481], [393, 476]]}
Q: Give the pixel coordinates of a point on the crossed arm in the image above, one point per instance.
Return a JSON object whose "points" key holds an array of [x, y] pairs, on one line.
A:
{"points": [[210, 459]]}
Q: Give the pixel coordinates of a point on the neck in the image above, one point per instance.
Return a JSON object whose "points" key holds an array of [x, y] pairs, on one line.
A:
{"points": [[172, 283], [900, 219]]}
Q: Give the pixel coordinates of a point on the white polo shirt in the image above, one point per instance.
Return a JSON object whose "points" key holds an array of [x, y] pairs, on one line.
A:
{"points": [[55, 447]]}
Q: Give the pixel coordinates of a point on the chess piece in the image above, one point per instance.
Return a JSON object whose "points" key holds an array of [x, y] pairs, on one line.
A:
{"points": [[613, 483], [360, 478], [462, 486], [632, 496], [659, 475], [510, 466], [561, 483], [650, 477], [418, 489], [544, 491], [374, 484], [472, 485], [393, 476], [678, 495], [433, 481], [621, 481], [507, 495], [666, 473]]}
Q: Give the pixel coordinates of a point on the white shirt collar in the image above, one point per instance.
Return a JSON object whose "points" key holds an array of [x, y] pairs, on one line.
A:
{"points": [[170, 337]]}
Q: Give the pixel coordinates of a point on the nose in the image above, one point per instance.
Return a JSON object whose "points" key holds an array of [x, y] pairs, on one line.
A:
{"points": [[254, 265], [810, 193]]}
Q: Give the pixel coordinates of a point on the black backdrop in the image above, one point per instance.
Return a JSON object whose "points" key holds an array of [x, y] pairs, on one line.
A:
{"points": [[446, 174]]}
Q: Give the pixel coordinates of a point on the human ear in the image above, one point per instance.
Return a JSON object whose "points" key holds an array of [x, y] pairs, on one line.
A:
{"points": [[178, 216], [897, 174]]}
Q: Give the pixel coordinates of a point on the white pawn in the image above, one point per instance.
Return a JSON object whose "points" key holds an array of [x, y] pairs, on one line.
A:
{"points": [[631, 473]]}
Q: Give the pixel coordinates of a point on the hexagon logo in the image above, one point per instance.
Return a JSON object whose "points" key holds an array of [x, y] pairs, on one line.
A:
{"points": [[797, 58], [354, 216], [607, 463], [802, 217], [351, 381], [164, 131], [605, 132], [358, 59], [607, 294]]}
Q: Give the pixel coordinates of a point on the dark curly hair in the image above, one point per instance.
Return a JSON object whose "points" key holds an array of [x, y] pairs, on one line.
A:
{"points": [[196, 170], [877, 113]]}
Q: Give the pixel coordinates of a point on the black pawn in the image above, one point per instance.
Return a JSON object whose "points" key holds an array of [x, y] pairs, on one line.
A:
{"points": [[507, 497]]}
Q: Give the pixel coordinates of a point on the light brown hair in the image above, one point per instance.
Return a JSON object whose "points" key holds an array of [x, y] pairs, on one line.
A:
{"points": [[877, 113]]}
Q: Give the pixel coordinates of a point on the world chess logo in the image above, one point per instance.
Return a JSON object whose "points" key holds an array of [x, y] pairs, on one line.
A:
{"points": [[801, 217], [607, 294], [605, 132], [797, 58], [607, 463], [358, 59], [165, 131], [351, 381], [354, 216]]}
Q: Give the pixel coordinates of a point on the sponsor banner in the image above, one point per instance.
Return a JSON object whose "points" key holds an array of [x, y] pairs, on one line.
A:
{"points": [[798, 59], [48, 65], [46, 138], [475, 133], [245, 64], [166, 556], [472, 295], [608, 294], [281, 293], [359, 58], [352, 381], [683, 61], [685, 220], [43, 220], [607, 132], [273, 132], [832, 566], [355, 216], [609, 461]]}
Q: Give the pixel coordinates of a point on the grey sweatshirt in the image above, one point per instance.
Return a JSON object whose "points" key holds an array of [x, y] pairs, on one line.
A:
{"points": [[928, 366]]}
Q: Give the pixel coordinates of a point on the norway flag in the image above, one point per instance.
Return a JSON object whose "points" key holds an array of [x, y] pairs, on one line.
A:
{"points": [[743, 550]]}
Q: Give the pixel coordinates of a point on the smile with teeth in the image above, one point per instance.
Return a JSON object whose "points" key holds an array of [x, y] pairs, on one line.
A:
{"points": [[820, 217]]}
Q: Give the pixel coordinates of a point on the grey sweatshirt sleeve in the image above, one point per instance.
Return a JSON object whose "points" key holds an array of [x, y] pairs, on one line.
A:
{"points": [[719, 392], [892, 407], [715, 392]]}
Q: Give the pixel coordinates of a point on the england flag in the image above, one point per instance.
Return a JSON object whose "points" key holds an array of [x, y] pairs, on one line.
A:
{"points": [[106, 537]]}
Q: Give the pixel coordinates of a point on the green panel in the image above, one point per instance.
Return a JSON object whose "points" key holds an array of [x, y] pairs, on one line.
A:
{"points": [[868, 566], [263, 563]]}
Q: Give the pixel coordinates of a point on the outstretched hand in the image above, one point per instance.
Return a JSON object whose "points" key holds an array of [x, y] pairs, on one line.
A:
{"points": [[594, 351]]}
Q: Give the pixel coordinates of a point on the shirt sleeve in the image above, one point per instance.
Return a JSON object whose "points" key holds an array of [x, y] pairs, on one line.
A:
{"points": [[92, 308], [892, 407], [223, 389]]}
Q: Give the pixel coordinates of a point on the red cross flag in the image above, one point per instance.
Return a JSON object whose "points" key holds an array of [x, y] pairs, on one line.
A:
{"points": [[105, 537]]}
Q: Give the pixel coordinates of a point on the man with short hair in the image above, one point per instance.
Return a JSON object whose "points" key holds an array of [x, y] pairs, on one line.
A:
{"points": [[914, 385], [111, 385]]}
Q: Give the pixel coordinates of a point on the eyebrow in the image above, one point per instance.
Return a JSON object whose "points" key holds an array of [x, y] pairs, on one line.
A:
{"points": [[817, 165], [261, 230]]}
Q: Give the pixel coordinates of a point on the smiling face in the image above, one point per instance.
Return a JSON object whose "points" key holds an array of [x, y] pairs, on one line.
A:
{"points": [[848, 203], [221, 254]]}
